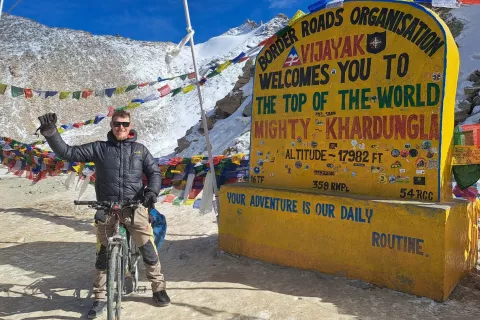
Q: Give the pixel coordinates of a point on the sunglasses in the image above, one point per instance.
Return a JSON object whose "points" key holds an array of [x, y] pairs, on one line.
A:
{"points": [[123, 124]]}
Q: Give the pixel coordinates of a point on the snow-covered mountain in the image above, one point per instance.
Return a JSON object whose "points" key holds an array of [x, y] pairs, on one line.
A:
{"points": [[38, 57]]}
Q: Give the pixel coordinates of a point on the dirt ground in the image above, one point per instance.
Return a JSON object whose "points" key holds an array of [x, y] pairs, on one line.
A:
{"points": [[47, 253]]}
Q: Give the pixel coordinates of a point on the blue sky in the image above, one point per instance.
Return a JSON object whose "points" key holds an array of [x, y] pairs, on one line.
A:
{"points": [[152, 20]]}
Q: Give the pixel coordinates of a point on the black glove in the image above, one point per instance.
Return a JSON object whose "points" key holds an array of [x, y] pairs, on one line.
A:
{"points": [[149, 199], [48, 124], [100, 216]]}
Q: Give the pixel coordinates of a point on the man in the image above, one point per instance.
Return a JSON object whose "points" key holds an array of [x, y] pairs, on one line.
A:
{"points": [[120, 163]]}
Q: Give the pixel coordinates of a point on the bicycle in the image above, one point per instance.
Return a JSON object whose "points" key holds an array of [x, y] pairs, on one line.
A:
{"points": [[122, 253]]}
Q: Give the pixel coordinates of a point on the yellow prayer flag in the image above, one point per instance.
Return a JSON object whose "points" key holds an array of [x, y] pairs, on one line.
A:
{"points": [[197, 159], [188, 88], [295, 17], [132, 105], [120, 90], [236, 158], [78, 168], [64, 95], [224, 66], [61, 130]]}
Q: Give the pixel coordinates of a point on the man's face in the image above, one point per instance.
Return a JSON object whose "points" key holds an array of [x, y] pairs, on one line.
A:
{"points": [[121, 127]]}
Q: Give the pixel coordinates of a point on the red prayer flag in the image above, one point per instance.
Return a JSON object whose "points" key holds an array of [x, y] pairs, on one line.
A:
{"points": [[28, 93], [192, 75], [86, 93], [59, 165], [164, 90], [111, 110], [143, 84], [267, 41]]}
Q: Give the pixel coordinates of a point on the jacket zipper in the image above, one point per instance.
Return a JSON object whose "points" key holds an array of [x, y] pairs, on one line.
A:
{"points": [[121, 171]]}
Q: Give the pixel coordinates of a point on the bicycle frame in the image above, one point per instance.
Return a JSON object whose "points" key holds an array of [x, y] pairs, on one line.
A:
{"points": [[129, 258], [120, 256]]}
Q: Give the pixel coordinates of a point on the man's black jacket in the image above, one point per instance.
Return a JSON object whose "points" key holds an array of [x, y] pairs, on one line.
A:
{"points": [[119, 165]]}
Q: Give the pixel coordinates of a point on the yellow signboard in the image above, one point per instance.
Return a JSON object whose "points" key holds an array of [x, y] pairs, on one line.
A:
{"points": [[357, 99]]}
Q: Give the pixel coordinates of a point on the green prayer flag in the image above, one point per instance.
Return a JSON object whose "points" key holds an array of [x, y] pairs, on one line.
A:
{"points": [[466, 175], [3, 88], [131, 87], [184, 76], [64, 95], [176, 91], [17, 92], [77, 95]]}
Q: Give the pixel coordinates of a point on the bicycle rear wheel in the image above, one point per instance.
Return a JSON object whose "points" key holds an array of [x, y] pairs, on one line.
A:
{"points": [[113, 283]]}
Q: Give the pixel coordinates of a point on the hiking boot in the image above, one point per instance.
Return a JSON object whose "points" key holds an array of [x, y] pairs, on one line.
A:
{"points": [[161, 298], [97, 309]]}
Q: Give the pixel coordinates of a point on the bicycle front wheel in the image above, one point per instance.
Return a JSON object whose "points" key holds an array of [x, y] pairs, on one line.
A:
{"points": [[113, 284]]}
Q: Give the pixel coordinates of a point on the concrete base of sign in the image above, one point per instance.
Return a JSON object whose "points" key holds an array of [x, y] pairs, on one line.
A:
{"points": [[419, 248]]}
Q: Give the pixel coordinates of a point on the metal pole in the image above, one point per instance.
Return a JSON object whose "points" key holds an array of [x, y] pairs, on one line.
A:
{"points": [[1, 7], [204, 118]]}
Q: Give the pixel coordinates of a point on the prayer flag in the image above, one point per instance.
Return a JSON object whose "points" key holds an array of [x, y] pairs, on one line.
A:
{"points": [[86, 93], [17, 92], [120, 90], [50, 94], [3, 88], [188, 88], [131, 87], [176, 91], [165, 90], [109, 92], [76, 94], [100, 93], [28, 93], [64, 95]]}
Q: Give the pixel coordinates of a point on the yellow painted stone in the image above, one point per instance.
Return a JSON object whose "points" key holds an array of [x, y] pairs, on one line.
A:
{"points": [[418, 248], [360, 100]]}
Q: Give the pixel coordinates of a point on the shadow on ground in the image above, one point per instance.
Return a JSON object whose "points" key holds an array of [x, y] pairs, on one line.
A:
{"points": [[74, 222], [57, 266]]}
